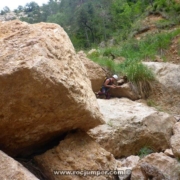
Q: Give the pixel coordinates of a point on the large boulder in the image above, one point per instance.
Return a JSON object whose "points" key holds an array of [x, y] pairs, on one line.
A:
{"points": [[126, 90], [130, 161], [95, 72], [130, 126], [156, 166], [80, 156], [166, 73], [45, 90], [13, 170], [166, 91], [175, 140], [97, 76]]}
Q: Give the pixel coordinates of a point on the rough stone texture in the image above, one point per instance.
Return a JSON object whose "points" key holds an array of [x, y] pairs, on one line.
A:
{"points": [[151, 171], [13, 170], [8, 16], [45, 90], [158, 166], [169, 152], [131, 126], [124, 173], [77, 152], [97, 76], [175, 140], [166, 91], [130, 161], [12, 16], [125, 165], [127, 90], [95, 72], [166, 73], [177, 117]]}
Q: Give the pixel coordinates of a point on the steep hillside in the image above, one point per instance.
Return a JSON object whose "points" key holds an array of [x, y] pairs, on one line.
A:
{"points": [[161, 97], [172, 53]]}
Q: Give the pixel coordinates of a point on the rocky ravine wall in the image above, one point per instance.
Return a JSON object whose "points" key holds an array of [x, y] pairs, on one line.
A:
{"points": [[167, 89], [45, 92]]}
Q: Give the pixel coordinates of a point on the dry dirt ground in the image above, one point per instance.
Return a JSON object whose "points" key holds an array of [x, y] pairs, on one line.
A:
{"points": [[162, 98]]}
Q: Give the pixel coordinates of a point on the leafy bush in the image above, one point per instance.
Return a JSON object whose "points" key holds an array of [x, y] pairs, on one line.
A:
{"points": [[144, 152], [112, 52], [94, 54], [108, 52], [104, 62]]}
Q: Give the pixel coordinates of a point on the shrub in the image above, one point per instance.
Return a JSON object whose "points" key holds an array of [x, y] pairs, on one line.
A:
{"points": [[144, 152], [140, 75], [138, 72], [104, 62], [94, 54]]}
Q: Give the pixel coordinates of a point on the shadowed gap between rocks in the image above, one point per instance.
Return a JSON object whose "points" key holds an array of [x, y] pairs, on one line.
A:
{"points": [[28, 161]]}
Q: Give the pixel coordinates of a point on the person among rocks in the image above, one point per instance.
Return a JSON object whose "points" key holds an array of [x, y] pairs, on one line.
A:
{"points": [[108, 83]]}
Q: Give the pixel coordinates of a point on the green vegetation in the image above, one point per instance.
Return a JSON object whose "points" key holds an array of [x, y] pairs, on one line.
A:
{"points": [[144, 152], [5, 10], [138, 50], [89, 22], [134, 51], [135, 71], [152, 103]]}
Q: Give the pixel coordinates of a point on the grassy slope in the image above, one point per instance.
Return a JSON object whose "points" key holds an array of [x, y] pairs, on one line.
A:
{"points": [[156, 43]]}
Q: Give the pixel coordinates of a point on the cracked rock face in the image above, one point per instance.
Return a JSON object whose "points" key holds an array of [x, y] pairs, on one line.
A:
{"points": [[157, 166], [77, 152], [167, 89], [95, 72], [131, 126], [11, 169], [175, 143], [45, 90]]}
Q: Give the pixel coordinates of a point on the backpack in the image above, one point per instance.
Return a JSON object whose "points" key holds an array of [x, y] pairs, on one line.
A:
{"points": [[106, 79]]}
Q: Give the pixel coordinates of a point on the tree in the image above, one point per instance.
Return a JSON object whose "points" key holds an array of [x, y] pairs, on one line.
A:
{"points": [[5, 10], [58, 18], [31, 7], [32, 10]]}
